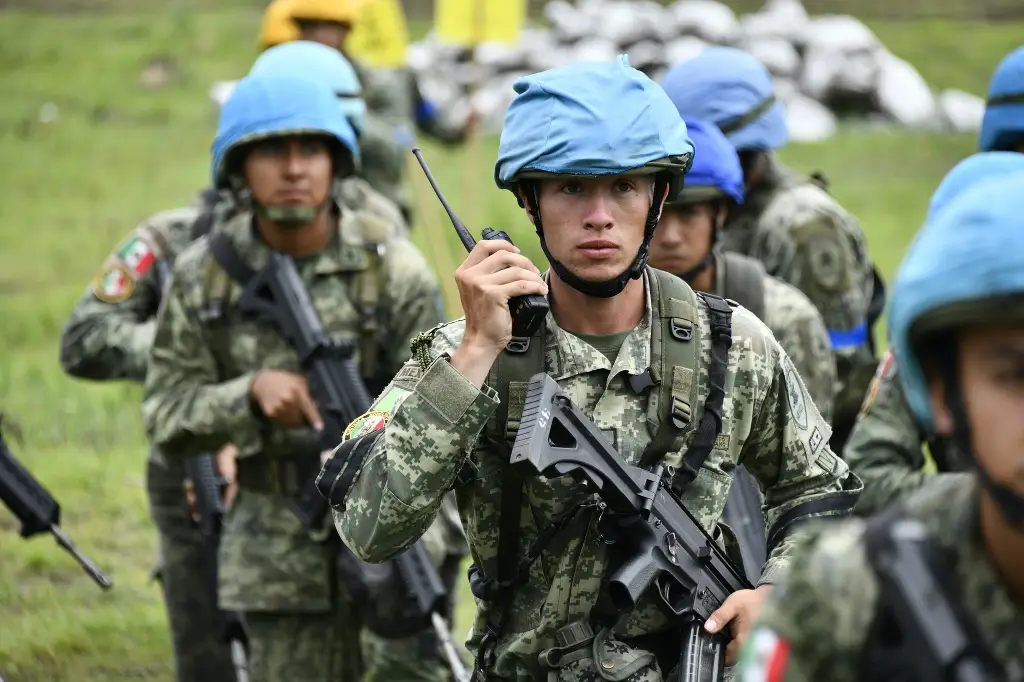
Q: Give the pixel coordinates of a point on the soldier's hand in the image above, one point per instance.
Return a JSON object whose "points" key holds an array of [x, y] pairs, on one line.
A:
{"points": [[227, 467], [738, 612], [284, 398], [494, 272]]}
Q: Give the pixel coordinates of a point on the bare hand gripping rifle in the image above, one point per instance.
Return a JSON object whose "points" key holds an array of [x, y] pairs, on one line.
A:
{"points": [[664, 547]]}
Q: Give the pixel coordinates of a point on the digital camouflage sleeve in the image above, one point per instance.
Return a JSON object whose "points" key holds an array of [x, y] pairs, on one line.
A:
{"points": [[800, 330], [884, 448], [435, 417], [111, 327], [814, 625]]}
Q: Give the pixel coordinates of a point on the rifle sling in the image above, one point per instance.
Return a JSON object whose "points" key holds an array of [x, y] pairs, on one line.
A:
{"points": [[227, 257]]}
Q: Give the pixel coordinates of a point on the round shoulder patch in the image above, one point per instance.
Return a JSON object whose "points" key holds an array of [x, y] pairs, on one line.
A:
{"points": [[113, 283], [366, 423]]}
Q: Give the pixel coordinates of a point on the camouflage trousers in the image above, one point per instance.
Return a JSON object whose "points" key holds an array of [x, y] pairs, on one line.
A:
{"points": [[199, 653]]}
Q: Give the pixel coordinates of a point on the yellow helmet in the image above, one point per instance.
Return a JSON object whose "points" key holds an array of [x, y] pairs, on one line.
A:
{"points": [[279, 20]]}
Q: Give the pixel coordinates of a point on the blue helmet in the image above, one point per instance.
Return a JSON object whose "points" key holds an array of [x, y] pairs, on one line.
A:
{"points": [[974, 170], [733, 90], [966, 266], [590, 118], [716, 170], [314, 60], [266, 106], [593, 119], [1003, 124]]}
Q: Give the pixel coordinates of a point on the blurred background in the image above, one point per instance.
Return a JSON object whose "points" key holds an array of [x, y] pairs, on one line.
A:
{"points": [[107, 112]]}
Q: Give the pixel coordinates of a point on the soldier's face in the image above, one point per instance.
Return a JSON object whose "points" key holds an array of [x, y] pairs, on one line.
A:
{"points": [[683, 236], [992, 380], [595, 226], [289, 171], [329, 33]]}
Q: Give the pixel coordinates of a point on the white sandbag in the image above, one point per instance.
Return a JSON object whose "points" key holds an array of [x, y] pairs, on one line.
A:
{"points": [[807, 120], [683, 49], [961, 111], [785, 19], [777, 54], [904, 95], [221, 90]]}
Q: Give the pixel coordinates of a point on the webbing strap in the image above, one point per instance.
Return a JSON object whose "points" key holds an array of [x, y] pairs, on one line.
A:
{"points": [[227, 256], [742, 121], [711, 421]]}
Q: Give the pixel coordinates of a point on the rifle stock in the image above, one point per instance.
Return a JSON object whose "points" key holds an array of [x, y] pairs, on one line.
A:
{"points": [[37, 510], [665, 546]]}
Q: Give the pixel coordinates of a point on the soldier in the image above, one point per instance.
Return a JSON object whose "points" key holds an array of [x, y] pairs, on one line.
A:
{"points": [[946, 561], [788, 221], [687, 245], [216, 375], [884, 447], [593, 186], [393, 95], [107, 338]]}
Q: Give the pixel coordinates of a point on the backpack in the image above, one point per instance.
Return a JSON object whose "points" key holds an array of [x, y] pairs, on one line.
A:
{"points": [[744, 281], [672, 415]]}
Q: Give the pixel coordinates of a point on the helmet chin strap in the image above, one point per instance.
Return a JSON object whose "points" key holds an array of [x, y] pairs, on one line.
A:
{"points": [[609, 287], [1009, 502]]}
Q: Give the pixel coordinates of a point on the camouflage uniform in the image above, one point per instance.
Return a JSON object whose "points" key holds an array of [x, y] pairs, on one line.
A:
{"points": [[797, 326], [885, 445], [805, 238], [302, 621], [108, 337], [823, 609], [434, 430]]}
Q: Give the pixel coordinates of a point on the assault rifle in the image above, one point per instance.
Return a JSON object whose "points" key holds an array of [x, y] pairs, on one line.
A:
{"points": [[663, 545], [35, 507], [922, 631], [208, 488]]}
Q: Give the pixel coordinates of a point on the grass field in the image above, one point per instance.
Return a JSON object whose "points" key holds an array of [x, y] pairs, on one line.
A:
{"points": [[117, 152]]}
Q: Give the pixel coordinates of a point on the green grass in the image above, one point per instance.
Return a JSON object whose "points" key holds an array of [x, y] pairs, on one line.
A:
{"points": [[69, 190]]}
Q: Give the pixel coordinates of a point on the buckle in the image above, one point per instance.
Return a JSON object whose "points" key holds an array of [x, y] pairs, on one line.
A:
{"points": [[678, 331], [518, 344]]}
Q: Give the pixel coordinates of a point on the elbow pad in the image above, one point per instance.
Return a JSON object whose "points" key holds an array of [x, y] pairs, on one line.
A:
{"points": [[340, 470]]}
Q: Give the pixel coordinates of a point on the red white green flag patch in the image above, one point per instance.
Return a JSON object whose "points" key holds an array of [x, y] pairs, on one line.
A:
{"points": [[137, 255], [113, 283], [764, 657]]}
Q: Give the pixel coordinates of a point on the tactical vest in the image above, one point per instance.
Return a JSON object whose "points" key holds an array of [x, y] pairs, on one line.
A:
{"points": [[672, 417], [744, 281], [367, 284]]}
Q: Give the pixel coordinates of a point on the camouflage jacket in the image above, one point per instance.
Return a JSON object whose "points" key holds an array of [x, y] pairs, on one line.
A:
{"points": [[109, 333], [434, 430], [815, 623], [884, 447], [805, 238], [383, 162], [204, 358], [799, 329]]}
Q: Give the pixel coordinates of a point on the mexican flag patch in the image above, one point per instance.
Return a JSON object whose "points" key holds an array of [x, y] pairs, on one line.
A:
{"points": [[113, 283], [137, 255], [764, 657], [366, 423]]}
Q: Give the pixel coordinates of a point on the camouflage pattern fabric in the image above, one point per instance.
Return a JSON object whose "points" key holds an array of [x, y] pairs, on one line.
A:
{"points": [[770, 426], [358, 194], [814, 624], [805, 238], [884, 448], [197, 396], [383, 150], [106, 338], [800, 330]]}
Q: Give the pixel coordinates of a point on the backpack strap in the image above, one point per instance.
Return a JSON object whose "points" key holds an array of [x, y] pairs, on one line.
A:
{"points": [[744, 282], [510, 375], [367, 286], [227, 256], [679, 365], [204, 222]]}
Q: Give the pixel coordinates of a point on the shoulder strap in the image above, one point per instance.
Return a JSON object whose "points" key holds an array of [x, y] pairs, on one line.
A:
{"points": [[680, 359], [744, 282], [227, 256], [367, 286], [204, 222]]}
